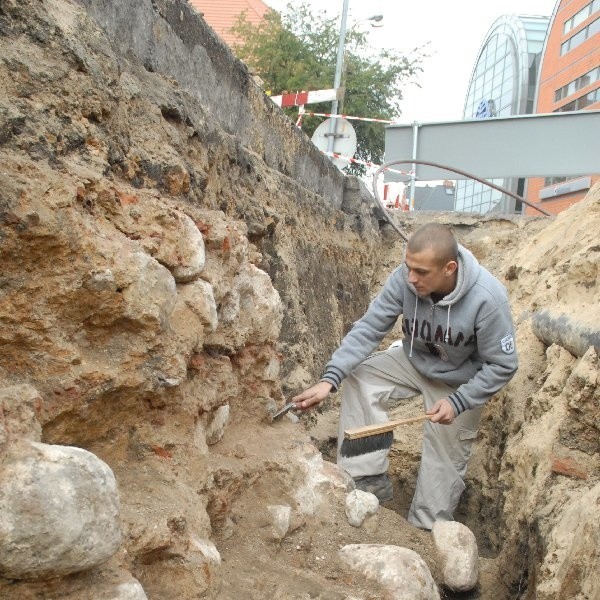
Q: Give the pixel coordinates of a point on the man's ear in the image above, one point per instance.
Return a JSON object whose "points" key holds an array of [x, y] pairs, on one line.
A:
{"points": [[450, 268]]}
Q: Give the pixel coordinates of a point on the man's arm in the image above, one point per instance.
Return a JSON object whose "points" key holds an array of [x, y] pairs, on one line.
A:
{"points": [[497, 351], [359, 342], [367, 332]]}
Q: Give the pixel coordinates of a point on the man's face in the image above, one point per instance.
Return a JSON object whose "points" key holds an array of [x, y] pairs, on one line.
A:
{"points": [[427, 275]]}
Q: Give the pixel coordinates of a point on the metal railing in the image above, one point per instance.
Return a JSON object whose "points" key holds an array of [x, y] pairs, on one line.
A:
{"points": [[387, 166]]}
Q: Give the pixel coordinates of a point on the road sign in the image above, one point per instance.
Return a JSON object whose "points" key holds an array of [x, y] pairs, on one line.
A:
{"points": [[344, 141]]}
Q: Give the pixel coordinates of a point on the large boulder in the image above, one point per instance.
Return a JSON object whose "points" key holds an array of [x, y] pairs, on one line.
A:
{"points": [[457, 549], [59, 511], [400, 571]]}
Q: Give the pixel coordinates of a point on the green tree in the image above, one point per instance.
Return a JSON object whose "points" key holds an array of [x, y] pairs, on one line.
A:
{"points": [[297, 50]]}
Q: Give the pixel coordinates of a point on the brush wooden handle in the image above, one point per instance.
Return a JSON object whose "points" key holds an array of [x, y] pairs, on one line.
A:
{"points": [[367, 430]]}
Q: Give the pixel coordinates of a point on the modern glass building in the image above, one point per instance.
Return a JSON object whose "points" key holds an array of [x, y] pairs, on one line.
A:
{"points": [[503, 83]]}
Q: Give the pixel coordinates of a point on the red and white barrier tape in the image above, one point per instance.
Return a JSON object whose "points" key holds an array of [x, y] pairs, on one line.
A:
{"points": [[356, 161], [398, 204], [314, 114]]}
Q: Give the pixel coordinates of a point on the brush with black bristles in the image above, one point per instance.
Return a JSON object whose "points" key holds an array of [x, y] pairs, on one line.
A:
{"points": [[370, 438]]}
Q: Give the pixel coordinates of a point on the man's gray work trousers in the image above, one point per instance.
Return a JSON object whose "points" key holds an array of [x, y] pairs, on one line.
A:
{"points": [[366, 395]]}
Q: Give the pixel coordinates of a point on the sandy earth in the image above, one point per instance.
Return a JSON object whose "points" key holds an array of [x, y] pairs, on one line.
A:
{"points": [[305, 563]]}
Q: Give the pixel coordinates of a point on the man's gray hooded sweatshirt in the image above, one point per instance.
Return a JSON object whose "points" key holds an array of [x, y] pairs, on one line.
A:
{"points": [[465, 340]]}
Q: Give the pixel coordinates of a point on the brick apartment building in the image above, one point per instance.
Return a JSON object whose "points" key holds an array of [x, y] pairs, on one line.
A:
{"points": [[569, 79]]}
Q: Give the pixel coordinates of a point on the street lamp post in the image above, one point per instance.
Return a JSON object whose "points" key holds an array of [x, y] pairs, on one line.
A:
{"points": [[338, 76], [374, 21], [339, 67]]}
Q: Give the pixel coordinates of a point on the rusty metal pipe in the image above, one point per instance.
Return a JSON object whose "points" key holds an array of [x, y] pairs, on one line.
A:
{"points": [[386, 166]]}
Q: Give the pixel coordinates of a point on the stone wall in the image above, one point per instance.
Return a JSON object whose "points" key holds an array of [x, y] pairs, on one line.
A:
{"points": [[168, 252], [301, 219]]}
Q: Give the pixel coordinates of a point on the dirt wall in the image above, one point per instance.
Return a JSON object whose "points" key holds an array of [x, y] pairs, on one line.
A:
{"points": [[177, 259]]}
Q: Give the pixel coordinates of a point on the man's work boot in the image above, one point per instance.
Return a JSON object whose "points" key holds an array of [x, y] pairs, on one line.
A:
{"points": [[380, 485]]}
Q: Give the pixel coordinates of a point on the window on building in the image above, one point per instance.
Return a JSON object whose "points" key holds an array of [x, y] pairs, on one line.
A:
{"points": [[579, 83], [473, 196], [581, 102], [580, 37], [581, 16], [554, 180]]}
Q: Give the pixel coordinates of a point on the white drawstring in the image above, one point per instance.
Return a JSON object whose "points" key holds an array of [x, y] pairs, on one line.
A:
{"points": [[447, 336], [412, 337]]}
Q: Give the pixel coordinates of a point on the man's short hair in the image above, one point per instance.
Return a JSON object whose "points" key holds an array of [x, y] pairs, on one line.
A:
{"points": [[438, 237]]}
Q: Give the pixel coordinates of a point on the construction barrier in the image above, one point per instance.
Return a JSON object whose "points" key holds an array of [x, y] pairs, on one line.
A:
{"points": [[350, 118], [399, 204], [302, 98], [356, 161]]}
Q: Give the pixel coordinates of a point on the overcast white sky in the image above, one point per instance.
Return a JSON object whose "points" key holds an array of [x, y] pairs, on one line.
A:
{"points": [[454, 31]]}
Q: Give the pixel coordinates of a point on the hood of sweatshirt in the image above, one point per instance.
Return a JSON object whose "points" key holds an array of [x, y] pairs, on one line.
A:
{"points": [[466, 277]]}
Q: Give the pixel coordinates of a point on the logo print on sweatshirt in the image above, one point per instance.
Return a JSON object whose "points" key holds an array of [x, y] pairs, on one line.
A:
{"points": [[439, 337], [437, 350], [507, 343]]}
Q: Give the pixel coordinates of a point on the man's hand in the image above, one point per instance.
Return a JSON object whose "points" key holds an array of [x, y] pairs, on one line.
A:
{"points": [[313, 396], [442, 412]]}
